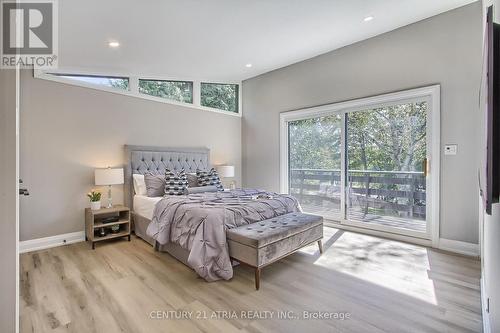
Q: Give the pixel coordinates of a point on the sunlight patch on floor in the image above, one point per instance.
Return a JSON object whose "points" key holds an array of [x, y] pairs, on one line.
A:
{"points": [[394, 265]]}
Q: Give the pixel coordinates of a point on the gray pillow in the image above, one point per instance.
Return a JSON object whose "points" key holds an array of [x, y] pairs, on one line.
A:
{"points": [[201, 189], [192, 180], [155, 185]]}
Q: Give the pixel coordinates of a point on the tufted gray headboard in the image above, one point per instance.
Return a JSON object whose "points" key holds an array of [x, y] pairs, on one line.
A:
{"points": [[144, 159]]}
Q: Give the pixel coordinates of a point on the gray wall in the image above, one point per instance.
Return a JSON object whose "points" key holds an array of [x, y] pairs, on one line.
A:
{"points": [[8, 234], [444, 50], [67, 131]]}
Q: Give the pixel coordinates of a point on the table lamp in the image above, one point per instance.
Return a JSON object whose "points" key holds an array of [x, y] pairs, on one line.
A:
{"points": [[109, 177], [227, 171]]}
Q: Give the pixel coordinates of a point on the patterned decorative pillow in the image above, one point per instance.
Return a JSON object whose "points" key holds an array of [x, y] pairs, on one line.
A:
{"points": [[209, 178], [175, 184]]}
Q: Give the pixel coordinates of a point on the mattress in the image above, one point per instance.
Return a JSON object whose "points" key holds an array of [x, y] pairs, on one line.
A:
{"points": [[144, 205]]}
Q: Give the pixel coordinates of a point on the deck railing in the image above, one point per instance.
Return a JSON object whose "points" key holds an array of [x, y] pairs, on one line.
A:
{"points": [[399, 193]]}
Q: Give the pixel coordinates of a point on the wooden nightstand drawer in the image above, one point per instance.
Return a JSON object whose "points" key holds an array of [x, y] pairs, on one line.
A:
{"points": [[95, 220]]}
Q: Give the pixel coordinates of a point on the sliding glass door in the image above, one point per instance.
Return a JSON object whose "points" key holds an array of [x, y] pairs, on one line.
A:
{"points": [[366, 165]]}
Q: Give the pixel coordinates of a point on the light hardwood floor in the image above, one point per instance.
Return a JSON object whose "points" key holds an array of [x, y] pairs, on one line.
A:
{"points": [[383, 285]]}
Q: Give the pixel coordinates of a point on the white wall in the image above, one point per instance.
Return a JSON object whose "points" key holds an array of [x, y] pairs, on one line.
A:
{"points": [[491, 266], [67, 131], [8, 228], [445, 50]]}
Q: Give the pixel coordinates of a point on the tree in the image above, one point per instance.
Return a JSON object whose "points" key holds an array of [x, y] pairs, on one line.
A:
{"points": [[220, 96], [119, 83], [315, 143], [388, 138], [175, 90]]}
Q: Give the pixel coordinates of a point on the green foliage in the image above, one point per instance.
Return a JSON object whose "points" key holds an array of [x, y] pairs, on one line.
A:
{"points": [[94, 196], [214, 95], [388, 138], [220, 96], [315, 143], [180, 91], [119, 83]]}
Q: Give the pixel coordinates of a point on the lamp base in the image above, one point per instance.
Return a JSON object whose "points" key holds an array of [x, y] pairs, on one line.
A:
{"points": [[110, 200]]}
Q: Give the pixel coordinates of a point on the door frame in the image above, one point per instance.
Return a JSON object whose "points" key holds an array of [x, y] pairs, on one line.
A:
{"points": [[432, 94]]}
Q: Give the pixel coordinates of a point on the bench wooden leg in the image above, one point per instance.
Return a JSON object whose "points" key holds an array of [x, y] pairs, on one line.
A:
{"points": [[257, 278], [320, 245]]}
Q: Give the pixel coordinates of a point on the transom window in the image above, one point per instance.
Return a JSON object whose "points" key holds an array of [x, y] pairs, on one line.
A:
{"points": [[220, 96], [180, 91], [207, 96], [107, 81]]}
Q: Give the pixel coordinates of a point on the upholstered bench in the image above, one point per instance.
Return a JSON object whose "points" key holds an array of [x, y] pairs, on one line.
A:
{"points": [[262, 243]]}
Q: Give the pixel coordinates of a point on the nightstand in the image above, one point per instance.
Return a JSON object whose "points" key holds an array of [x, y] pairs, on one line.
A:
{"points": [[95, 220]]}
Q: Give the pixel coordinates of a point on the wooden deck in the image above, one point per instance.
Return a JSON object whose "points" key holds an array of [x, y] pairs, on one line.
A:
{"points": [[369, 219], [402, 194], [395, 199]]}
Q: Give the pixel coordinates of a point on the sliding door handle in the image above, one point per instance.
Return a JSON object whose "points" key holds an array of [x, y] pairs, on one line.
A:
{"points": [[425, 167]]}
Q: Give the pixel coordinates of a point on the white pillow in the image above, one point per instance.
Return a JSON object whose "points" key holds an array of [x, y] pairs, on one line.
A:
{"points": [[139, 184]]}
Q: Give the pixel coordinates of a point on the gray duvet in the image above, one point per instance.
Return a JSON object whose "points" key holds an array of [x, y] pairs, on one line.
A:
{"points": [[198, 223]]}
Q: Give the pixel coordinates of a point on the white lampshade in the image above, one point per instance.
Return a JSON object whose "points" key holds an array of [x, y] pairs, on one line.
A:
{"points": [[225, 171], [109, 176]]}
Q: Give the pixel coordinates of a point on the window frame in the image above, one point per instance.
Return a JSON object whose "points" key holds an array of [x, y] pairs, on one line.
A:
{"points": [[364, 104], [134, 88], [67, 76]]}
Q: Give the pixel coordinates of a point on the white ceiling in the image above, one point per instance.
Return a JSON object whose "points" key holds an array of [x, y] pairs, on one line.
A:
{"points": [[213, 40]]}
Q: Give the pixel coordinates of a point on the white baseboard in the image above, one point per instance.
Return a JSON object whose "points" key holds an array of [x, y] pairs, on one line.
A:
{"points": [[464, 248], [468, 249], [52, 241], [484, 306], [382, 234]]}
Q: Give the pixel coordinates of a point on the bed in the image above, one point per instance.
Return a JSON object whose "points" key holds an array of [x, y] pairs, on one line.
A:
{"points": [[144, 159], [192, 228]]}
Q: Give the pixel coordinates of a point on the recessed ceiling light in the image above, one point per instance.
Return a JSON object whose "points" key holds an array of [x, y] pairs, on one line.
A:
{"points": [[368, 18], [248, 65], [114, 44]]}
